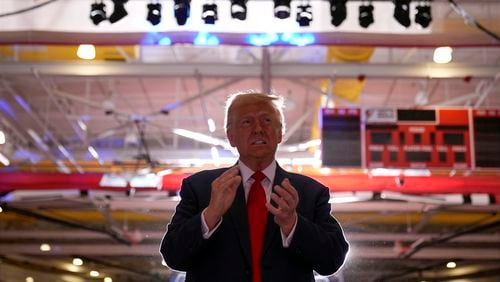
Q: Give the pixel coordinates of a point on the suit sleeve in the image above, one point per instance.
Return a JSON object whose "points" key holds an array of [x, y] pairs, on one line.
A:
{"points": [[184, 239], [319, 241]]}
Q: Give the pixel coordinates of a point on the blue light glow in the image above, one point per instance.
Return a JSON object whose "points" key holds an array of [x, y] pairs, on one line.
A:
{"points": [[164, 41], [154, 38], [263, 39], [7, 108], [298, 39], [24, 154], [204, 38], [22, 103]]}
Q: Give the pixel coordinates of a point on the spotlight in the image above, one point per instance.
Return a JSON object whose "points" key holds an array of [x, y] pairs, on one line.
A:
{"points": [[402, 12], [282, 9], [239, 9], [181, 11], [423, 16], [365, 15], [154, 13], [304, 14], [209, 14], [338, 11], [97, 12], [119, 11]]}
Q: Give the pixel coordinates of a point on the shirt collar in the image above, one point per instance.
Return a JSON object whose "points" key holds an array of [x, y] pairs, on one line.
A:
{"points": [[246, 172]]}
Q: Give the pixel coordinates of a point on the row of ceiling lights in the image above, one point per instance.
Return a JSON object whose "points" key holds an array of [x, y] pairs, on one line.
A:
{"points": [[338, 12]]}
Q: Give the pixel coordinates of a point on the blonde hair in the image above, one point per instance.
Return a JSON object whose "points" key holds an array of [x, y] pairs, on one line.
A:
{"points": [[245, 98]]}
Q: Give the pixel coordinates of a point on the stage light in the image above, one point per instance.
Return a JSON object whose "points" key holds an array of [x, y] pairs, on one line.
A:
{"points": [[304, 14], [181, 11], [239, 9], [282, 9], [154, 13], [338, 11], [209, 14], [86, 51], [365, 15], [97, 12], [402, 12], [423, 16], [443, 55], [119, 11]]}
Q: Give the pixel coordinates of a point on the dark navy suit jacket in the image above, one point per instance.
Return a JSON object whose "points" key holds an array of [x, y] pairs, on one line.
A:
{"points": [[318, 242]]}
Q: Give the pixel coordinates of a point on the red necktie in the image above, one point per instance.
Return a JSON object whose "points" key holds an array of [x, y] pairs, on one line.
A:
{"points": [[257, 218]]}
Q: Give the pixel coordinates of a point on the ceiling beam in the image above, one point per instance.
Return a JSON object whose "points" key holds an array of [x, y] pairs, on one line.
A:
{"points": [[278, 70]]}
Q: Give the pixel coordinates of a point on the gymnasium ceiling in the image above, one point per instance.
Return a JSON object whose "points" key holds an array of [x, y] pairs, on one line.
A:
{"points": [[134, 89]]}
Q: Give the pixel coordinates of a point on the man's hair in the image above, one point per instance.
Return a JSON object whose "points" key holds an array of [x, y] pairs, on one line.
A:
{"points": [[247, 98]]}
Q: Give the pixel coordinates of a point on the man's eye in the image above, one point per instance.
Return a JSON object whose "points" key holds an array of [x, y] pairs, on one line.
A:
{"points": [[245, 122]]}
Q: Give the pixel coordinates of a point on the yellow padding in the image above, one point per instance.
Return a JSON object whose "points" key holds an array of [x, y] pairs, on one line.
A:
{"points": [[42, 53]]}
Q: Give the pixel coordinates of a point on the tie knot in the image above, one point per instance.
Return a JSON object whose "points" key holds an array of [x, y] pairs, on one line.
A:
{"points": [[258, 176]]}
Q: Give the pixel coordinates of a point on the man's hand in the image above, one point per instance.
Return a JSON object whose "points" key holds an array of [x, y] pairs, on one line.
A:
{"points": [[222, 196], [287, 199]]}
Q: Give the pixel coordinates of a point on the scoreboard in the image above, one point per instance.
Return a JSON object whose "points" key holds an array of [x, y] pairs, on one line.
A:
{"points": [[486, 125], [411, 138]]}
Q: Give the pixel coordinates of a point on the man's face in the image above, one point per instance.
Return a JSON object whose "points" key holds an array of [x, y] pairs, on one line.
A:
{"points": [[255, 131]]}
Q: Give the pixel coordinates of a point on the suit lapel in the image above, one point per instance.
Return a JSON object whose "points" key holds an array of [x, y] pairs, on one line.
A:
{"points": [[271, 227], [238, 215]]}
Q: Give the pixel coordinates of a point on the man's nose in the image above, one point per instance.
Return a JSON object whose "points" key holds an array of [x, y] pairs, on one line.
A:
{"points": [[257, 127]]}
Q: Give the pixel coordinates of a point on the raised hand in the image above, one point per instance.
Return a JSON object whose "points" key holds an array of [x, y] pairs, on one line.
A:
{"points": [[222, 196], [286, 198]]}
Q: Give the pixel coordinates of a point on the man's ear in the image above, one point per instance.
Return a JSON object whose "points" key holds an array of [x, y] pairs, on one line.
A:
{"points": [[280, 135], [229, 136]]}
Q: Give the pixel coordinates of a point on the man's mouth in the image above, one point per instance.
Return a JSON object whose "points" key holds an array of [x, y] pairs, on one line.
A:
{"points": [[259, 142]]}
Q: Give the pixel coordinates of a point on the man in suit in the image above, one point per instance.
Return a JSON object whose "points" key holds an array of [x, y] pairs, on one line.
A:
{"points": [[253, 221]]}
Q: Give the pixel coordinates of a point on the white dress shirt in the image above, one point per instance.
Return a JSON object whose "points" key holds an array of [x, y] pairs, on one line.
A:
{"points": [[246, 177]]}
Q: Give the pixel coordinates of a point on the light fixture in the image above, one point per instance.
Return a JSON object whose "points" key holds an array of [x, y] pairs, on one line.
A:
{"points": [[77, 261], [451, 264], [366, 15], [4, 160], [45, 247], [282, 9], [442, 55], [93, 152], [97, 12], [154, 13], [181, 11], [423, 16], [2, 137], [304, 14], [209, 13], [211, 125], [82, 124], [215, 156], [338, 11], [119, 11], [86, 51], [402, 12], [94, 273], [239, 9], [203, 138]]}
